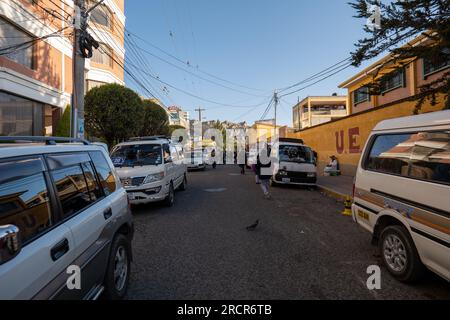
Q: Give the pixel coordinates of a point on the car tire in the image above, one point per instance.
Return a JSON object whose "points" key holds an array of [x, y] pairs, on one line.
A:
{"points": [[119, 261], [183, 185], [395, 246], [170, 199]]}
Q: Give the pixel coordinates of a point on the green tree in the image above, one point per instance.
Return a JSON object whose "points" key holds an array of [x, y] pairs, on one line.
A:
{"points": [[156, 120], [175, 127], [113, 113], [401, 20], [63, 128]]}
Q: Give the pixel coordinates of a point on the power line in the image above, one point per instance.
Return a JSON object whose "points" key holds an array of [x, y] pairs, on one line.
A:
{"points": [[320, 80], [184, 63], [27, 44], [314, 76], [122, 66], [252, 110], [139, 59], [195, 75]]}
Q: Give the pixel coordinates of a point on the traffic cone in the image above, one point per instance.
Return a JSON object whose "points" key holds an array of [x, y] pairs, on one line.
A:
{"points": [[348, 207]]}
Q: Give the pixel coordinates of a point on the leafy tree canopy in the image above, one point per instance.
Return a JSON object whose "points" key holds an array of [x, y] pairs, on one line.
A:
{"points": [[400, 21], [113, 112], [156, 120]]}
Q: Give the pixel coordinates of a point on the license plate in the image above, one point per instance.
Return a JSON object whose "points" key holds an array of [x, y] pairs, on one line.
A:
{"points": [[286, 180]]}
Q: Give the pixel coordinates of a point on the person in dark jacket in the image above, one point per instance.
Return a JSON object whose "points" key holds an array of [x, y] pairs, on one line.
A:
{"points": [[264, 173]]}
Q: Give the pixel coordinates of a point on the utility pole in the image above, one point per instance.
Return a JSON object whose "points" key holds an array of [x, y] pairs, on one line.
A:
{"points": [[78, 64], [83, 45], [276, 99], [200, 110]]}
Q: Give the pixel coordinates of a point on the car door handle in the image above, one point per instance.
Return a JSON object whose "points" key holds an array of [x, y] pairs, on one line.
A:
{"points": [[58, 251], [107, 213]]}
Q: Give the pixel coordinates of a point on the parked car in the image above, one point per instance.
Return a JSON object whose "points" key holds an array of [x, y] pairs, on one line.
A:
{"points": [[402, 193], [150, 169], [62, 207], [197, 160], [296, 164]]}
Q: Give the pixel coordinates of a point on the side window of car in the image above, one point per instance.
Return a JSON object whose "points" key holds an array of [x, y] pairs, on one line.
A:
{"points": [[24, 199], [166, 152], [430, 157], [104, 172], [74, 189], [391, 154]]}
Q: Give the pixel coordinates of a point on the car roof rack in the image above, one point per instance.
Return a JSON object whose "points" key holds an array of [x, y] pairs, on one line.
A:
{"points": [[151, 138], [292, 140], [50, 141]]}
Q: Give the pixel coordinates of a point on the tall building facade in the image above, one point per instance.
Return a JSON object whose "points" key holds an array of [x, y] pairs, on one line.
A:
{"points": [[36, 48]]}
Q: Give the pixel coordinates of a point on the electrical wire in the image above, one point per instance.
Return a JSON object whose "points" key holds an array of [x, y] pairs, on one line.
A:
{"points": [[318, 81]]}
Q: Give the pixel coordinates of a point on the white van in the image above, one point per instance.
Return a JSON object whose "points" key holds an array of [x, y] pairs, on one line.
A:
{"points": [[296, 164], [150, 169], [402, 194]]}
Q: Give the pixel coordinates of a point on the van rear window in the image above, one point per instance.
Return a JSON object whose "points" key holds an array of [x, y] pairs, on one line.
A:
{"points": [[420, 155]]}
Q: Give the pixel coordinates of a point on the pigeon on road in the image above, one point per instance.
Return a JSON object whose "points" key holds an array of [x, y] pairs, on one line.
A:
{"points": [[253, 226]]}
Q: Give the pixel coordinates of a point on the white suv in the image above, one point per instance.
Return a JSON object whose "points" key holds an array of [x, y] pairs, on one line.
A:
{"points": [[65, 223], [150, 169]]}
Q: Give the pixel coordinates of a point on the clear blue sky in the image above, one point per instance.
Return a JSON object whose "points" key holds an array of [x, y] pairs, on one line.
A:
{"points": [[265, 44]]}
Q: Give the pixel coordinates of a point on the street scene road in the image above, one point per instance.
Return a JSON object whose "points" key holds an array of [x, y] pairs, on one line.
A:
{"points": [[303, 247]]}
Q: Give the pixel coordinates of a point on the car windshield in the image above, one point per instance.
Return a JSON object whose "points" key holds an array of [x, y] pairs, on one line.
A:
{"points": [[137, 155], [297, 154]]}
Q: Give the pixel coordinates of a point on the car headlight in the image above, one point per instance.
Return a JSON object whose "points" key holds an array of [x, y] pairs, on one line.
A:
{"points": [[154, 177], [282, 173]]}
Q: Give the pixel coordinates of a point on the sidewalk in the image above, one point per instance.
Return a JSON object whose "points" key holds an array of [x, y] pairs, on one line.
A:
{"points": [[339, 187]]}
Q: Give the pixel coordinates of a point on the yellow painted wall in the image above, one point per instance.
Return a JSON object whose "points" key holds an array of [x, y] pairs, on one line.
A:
{"points": [[346, 138]]}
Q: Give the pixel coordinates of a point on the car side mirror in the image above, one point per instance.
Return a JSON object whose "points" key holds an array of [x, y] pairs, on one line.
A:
{"points": [[10, 245]]}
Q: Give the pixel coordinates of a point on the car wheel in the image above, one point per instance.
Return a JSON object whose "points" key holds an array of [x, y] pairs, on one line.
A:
{"points": [[400, 255], [183, 185], [118, 272], [170, 199]]}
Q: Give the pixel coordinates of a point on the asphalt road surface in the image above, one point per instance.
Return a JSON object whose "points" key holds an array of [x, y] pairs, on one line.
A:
{"points": [[302, 249]]}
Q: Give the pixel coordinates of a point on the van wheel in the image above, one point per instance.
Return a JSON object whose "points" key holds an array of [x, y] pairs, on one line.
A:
{"points": [[400, 255], [118, 272], [170, 199], [183, 185]]}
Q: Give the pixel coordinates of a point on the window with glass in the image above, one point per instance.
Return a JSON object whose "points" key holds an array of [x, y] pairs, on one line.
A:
{"points": [[20, 116], [101, 16], [296, 154], [103, 55], [137, 155], [430, 67], [361, 95], [393, 81], [423, 155], [75, 182], [24, 200], [11, 36], [105, 174]]}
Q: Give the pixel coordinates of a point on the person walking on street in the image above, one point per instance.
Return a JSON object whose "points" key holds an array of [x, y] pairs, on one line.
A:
{"points": [[256, 174], [264, 174], [213, 155]]}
